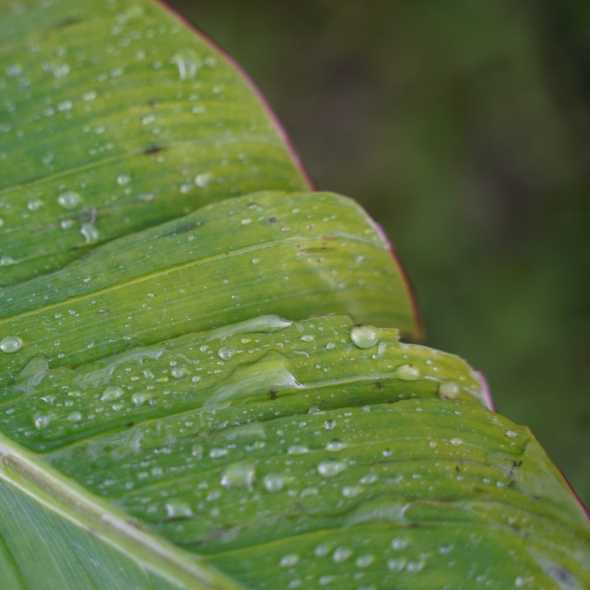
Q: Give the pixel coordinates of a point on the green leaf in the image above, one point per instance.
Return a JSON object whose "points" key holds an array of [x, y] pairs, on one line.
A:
{"points": [[201, 372], [53, 535], [115, 118], [295, 255]]}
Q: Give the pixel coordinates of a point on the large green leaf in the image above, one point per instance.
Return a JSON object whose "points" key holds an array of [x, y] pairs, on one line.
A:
{"points": [[201, 372], [115, 117]]}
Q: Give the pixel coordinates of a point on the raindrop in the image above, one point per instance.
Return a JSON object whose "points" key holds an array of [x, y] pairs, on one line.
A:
{"points": [[217, 453], [399, 543], [178, 509], [139, 398], [188, 64], [35, 205], [75, 417], [396, 565], [335, 445], [341, 554], [331, 468], [89, 232], [322, 550], [415, 566], [297, 450], [273, 482], [448, 390], [123, 179], [10, 344], [111, 393], [225, 353], [69, 200], [241, 474], [365, 560], [364, 336], [456, 442], [202, 180], [42, 421], [406, 372], [330, 424], [352, 491], [511, 434], [197, 451], [289, 560]]}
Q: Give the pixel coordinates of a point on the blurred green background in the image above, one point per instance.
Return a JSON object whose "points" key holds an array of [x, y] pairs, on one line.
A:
{"points": [[463, 127]]}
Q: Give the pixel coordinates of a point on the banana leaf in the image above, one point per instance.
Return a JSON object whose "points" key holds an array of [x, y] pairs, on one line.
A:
{"points": [[202, 382]]}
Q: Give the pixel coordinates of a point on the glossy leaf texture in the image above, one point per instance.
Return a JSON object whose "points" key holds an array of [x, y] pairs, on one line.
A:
{"points": [[202, 383], [115, 117]]}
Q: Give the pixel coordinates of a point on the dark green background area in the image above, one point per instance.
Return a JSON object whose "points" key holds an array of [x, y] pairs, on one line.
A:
{"points": [[464, 128]]}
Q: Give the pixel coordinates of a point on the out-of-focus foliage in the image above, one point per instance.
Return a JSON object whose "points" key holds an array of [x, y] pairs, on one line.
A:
{"points": [[464, 128]]}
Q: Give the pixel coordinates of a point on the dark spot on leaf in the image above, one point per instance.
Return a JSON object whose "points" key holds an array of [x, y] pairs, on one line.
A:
{"points": [[129, 424], [154, 102], [153, 149], [272, 394], [68, 23], [272, 219], [379, 385]]}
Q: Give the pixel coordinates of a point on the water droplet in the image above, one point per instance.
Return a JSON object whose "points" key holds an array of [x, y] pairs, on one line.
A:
{"points": [[330, 424], [217, 453], [456, 442], [352, 491], [307, 338], [448, 390], [177, 372], [335, 445], [289, 560], [322, 550], [341, 554], [415, 566], [369, 478], [202, 180], [35, 205], [365, 560], [511, 434], [7, 260], [188, 63], [10, 344], [406, 372], [90, 233], [139, 398], [240, 474], [123, 179], [246, 221], [331, 468], [75, 417], [178, 509], [197, 451], [42, 421], [396, 565], [325, 580], [364, 336], [225, 353], [399, 543], [273, 482], [297, 450], [69, 200], [111, 393], [255, 260]]}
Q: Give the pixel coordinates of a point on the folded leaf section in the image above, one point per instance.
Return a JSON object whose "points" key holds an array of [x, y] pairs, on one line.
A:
{"points": [[295, 255]]}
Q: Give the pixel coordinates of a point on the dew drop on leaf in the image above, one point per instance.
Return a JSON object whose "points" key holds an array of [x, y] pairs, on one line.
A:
{"points": [[364, 336], [10, 344]]}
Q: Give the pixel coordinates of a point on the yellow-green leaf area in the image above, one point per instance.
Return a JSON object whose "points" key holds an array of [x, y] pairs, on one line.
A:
{"points": [[116, 117]]}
